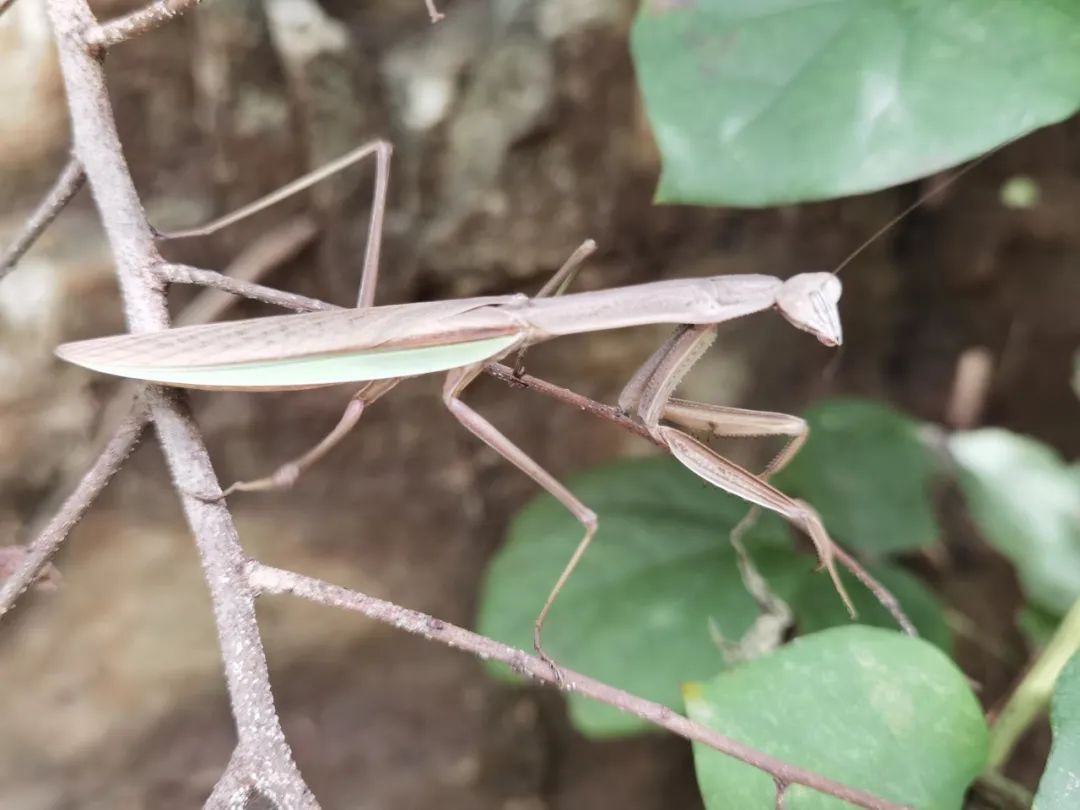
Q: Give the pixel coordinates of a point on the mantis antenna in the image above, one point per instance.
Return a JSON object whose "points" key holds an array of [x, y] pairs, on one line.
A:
{"points": [[922, 198]]}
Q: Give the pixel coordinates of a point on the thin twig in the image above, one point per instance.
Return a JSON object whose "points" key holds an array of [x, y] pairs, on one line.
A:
{"points": [[267, 579], [183, 274], [65, 187], [280, 244], [154, 15], [5, 5], [43, 547]]}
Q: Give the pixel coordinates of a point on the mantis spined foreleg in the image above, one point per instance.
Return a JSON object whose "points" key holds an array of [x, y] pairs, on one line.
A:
{"points": [[648, 395]]}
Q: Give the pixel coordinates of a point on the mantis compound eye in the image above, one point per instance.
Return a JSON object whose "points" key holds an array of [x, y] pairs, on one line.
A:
{"points": [[808, 301]]}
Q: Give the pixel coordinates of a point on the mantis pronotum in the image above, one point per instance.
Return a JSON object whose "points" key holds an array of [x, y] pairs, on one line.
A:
{"points": [[381, 345]]}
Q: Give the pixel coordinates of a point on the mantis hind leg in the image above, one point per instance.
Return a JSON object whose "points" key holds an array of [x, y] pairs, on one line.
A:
{"points": [[456, 382], [369, 275], [287, 474]]}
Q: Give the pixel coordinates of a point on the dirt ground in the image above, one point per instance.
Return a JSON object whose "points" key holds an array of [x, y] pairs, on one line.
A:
{"points": [[518, 133]]}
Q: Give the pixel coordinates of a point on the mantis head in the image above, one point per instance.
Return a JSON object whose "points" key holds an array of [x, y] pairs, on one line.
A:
{"points": [[808, 301]]}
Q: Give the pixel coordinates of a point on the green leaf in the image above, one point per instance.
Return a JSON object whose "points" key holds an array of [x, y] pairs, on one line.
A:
{"points": [[816, 607], [868, 474], [659, 575], [1059, 788], [1026, 502], [873, 709], [762, 102]]}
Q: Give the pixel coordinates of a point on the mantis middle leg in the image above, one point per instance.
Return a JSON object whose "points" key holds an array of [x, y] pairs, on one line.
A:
{"points": [[456, 382]]}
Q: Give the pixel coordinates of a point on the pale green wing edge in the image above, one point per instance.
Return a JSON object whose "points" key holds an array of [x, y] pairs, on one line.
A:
{"points": [[310, 372]]}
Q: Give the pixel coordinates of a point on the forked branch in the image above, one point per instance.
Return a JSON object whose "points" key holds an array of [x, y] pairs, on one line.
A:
{"points": [[156, 14], [262, 256]]}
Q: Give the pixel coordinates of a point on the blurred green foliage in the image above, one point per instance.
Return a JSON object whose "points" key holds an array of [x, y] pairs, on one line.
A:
{"points": [[1059, 788]]}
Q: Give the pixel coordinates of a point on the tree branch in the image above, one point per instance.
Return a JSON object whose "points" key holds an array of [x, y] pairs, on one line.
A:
{"points": [[267, 579], [104, 35], [184, 274], [97, 147], [65, 187], [43, 547]]}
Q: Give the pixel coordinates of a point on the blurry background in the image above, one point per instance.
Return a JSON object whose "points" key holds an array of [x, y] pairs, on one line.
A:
{"points": [[518, 133]]}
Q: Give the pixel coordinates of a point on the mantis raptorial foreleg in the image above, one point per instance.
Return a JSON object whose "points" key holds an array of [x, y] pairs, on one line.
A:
{"points": [[648, 395], [729, 422], [720, 420], [456, 382]]}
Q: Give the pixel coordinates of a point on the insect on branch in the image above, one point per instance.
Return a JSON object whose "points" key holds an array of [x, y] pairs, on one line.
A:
{"points": [[262, 760]]}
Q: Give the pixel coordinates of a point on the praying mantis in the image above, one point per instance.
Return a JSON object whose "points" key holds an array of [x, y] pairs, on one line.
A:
{"points": [[379, 346]]}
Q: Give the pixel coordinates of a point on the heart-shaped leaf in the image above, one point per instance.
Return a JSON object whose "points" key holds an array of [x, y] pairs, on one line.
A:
{"points": [[870, 708], [762, 102]]}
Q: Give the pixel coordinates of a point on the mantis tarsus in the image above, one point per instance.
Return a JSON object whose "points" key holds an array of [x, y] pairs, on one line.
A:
{"points": [[381, 345]]}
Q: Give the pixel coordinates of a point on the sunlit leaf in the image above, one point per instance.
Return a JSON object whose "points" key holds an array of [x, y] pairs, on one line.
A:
{"points": [[874, 709], [760, 102]]}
